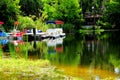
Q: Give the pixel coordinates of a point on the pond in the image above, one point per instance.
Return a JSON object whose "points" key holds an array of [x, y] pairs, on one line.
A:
{"points": [[88, 56]]}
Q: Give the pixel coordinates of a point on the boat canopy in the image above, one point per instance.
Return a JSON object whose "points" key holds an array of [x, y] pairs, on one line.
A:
{"points": [[1, 22], [54, 22]]}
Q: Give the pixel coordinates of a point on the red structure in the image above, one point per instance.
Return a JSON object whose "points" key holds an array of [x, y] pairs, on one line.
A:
{"points": [[59, 22], [16, 23], [1, 22]]}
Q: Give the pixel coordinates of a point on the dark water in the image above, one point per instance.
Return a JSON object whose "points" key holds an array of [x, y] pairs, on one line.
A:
{"points": [[89, 56]]}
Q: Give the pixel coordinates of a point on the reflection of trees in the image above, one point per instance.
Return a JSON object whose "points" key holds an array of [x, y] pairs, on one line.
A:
{"points": [[38, 52], [115, 39], [114, 57], [27, 50], [112, 52], [71, 52], [95, 54]]}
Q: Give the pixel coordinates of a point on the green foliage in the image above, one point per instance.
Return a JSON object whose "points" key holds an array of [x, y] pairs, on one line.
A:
{"points": [[49, 8], [9, 9], [68, 27], [28, 22], [114, 60], [112, 12], [88, 4], [12, 51], [104, 25], [68, 11], [40, 24], [25, 22], [31, 7]]}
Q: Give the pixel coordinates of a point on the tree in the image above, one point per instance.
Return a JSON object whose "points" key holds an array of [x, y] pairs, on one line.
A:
{"points": [[9, 9], [31, 7], [112, 13], [67, 10], [25, 22], [88, 4]]}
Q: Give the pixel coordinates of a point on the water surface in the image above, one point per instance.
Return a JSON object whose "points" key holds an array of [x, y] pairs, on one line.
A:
{"points": [[89, 56]]}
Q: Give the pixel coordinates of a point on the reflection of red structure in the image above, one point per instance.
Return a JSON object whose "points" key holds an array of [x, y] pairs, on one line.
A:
{"points": [[17, 42], [17, 49], [59, 49]]}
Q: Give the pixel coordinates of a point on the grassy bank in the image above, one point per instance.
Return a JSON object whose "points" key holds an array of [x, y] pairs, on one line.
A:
{"points": [[21, 69]]}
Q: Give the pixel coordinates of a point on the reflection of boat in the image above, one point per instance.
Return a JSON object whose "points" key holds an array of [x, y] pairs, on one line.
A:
{"points": [[3, 35], [87, 27], [4, 45], [16, 42], [4, 41], [54, 42], [59, 48], [55, 45]]}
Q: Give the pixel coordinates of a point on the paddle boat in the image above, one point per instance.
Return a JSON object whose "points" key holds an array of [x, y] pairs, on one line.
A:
{"points": [[54, 32]]}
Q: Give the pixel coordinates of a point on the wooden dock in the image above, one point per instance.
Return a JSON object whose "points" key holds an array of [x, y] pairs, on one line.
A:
{"points": [[31, 33], [37, 34]]}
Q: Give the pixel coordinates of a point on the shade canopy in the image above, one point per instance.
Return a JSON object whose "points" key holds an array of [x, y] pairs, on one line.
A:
{"points": [[1, 22], [54, 22]]}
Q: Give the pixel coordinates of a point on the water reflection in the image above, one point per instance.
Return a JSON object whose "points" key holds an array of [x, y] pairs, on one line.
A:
{"points": [[98, 55], [55, 45], [117, 70], [92, 59]]}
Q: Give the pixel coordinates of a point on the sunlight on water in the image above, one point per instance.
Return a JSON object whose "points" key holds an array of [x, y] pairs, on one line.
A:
{"points": [[87, 73]]}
